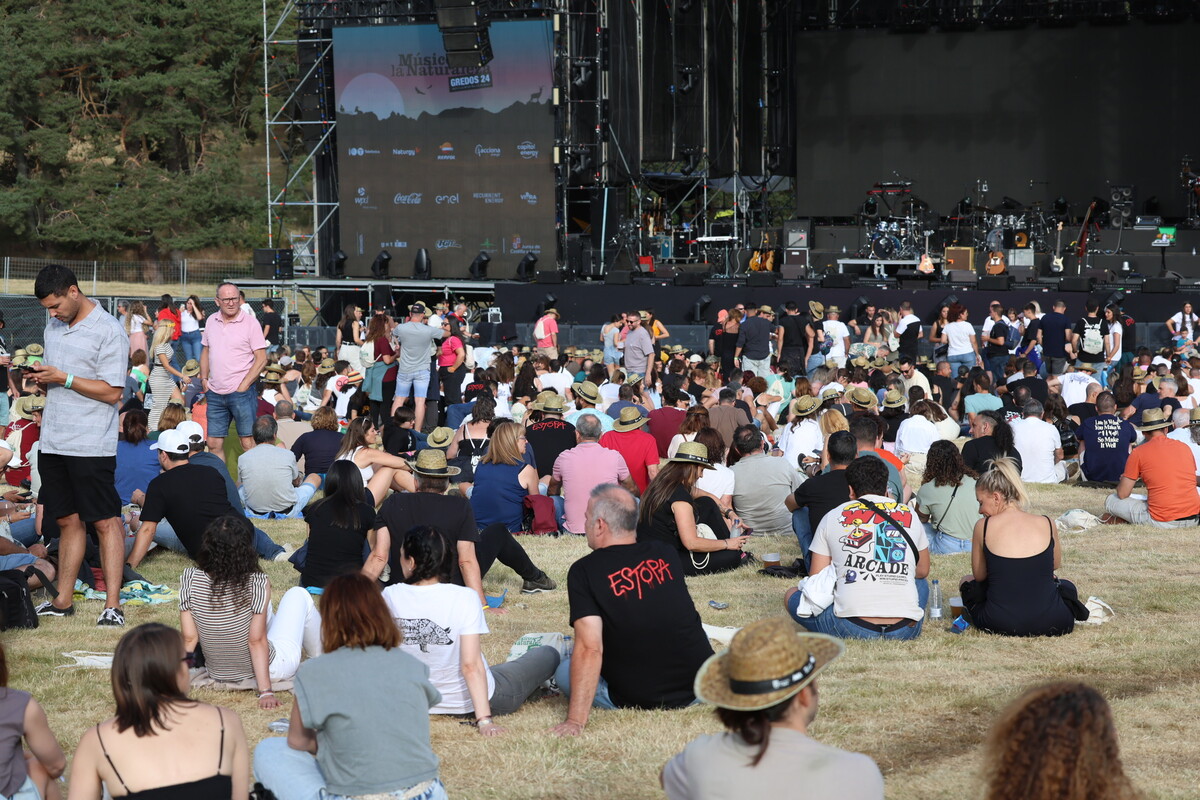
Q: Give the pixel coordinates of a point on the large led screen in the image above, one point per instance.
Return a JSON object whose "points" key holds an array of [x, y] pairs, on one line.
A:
{"points": [[452, 160]]}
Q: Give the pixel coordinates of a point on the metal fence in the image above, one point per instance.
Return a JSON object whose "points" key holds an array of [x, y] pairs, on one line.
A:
{"points": [[172, 276]]}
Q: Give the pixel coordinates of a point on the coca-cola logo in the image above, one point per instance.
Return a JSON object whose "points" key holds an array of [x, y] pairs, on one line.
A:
{"points": [[410, 199]]}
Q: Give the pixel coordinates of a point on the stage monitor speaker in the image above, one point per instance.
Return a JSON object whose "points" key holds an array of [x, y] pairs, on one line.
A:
{"points": [[795, 256], [1075, 283], [690, 279], [961, 275], [793, 272], [619, 277], [548, 277], [762, 279], [381, 297], [1023, 274], [995, 283], [838, 281], [1160, 286], [959, 258], [796, 233]]}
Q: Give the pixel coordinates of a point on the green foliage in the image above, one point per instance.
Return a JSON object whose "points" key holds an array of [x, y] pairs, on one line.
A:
{"points": [[124, 123]]}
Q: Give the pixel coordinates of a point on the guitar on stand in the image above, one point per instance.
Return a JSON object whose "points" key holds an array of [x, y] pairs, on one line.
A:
{"points": [[997, 264], [926, 265], [763, 259], [1056, 263]]}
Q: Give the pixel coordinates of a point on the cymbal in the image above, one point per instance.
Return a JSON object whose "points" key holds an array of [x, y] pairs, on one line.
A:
{"points": [[985, 210]]}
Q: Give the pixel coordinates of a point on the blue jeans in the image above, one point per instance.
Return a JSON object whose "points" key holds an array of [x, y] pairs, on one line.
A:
{"points": [[562, 677], [304, 493], [995, 365], [965, 360], [4, 407], [295, 775], [190, 341], [814, 361], [827, 622], [241, 407], [942, 544], [802, 527], [24, 531], [560, 510], [164, 536]]}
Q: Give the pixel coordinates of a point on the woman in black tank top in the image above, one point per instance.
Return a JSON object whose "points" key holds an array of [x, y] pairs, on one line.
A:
{"points": [[161, 745]]}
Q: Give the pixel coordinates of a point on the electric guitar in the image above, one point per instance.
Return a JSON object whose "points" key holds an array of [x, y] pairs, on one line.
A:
{"points": [[763, 259], [926, 265], [1056, 263], [1083, 238]]}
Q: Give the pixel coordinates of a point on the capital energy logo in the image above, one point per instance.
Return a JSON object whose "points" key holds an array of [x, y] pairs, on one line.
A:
{"points": [[489, 198], [530, 198], [482, 151], [410, 199], [527, 149], [446, 152], [447, 199]]}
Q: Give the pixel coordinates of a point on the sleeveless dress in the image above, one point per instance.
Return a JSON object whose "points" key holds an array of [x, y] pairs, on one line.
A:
{"points": [[612, 353], [214, 787], [162, 384], [1021, 596], [349, 351]]}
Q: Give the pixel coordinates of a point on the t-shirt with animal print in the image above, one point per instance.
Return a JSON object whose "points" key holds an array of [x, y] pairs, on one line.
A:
{"points": [[433, 619]]}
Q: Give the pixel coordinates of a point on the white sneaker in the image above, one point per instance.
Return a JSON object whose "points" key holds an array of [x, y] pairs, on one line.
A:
{"points": [[284, 554]]}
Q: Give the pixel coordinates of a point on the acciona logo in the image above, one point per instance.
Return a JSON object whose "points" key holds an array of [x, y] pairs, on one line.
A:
{"points": [[530, 198], [410, 199], [527, 149], [482, 151]]}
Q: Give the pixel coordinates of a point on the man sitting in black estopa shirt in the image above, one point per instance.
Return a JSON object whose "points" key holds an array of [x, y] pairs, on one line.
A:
{"points": [[993, 439], [1038, 388], [633, 617]]}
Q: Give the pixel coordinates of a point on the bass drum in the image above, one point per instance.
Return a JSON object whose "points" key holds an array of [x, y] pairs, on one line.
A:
{"points": [[884, 246]]}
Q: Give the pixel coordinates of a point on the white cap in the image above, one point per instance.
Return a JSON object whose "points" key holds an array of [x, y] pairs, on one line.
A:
{"points": [[695, 358], [191, 430], [173, 441]]}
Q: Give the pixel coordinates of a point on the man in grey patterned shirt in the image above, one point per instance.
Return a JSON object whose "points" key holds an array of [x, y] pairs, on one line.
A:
{"points": [[83, 376]]}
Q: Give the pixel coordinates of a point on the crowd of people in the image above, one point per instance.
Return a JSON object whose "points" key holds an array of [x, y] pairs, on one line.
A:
{"points": [[417, 457]]}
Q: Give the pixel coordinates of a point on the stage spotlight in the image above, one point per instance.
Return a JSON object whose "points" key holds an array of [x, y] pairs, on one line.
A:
{"points": [[422, 266], [337, 267], [548, 302], [694, 155], [526, 267], [699, 308], [860, 303], [379, 267], [870, 208], [1061, 206], [964, 207], [583, 73], [948, 301], [479, 266], [690, 80]]}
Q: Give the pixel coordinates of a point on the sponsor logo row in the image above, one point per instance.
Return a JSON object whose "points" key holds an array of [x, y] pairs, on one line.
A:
{"points": [[512, 244], [456, 199], [446, 151]]}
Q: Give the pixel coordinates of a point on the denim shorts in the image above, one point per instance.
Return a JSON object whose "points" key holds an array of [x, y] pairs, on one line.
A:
{"points": [[16, 560], [409, 382], [241, 407]]}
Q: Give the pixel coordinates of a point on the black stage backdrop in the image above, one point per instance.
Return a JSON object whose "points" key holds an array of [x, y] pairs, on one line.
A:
{"points": [[1070, 110]]}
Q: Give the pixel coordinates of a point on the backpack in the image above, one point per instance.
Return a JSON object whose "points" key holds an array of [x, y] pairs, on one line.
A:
{"points": [[826, 343], [1092, 341], [538, 515], [1014, 337], [16, 603], [539, 329]]}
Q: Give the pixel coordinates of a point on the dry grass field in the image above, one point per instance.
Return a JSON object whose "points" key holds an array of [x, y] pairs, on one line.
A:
{"points": [[920, 709]]}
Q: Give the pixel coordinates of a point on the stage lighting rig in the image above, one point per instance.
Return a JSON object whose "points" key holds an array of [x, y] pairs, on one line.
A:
{"points": [[422, 266], [337, 267], [478, 268], [526, 267], [379, 267], [690, 78], [699, 307]]}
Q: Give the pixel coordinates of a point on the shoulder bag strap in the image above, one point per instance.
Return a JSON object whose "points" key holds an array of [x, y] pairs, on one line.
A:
{"points": [[938, 526], [893, 523]]}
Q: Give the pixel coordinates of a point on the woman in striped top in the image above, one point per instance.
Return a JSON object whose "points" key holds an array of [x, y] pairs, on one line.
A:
{"points": [[225, 605]]}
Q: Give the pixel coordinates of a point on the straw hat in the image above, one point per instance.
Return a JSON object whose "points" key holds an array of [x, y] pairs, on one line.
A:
{"points": [[631, 418], [633, 380], [861, 361], [326, 366], [1138, 373], [893, 399], [554, 404], [1153, 419], [692, 453], [25, 406], [272, 378], [832, 310], [553, 311], [816, 309], [1086, 368], [191, 368], [588, 391], [766, 310], [645, 315], [676, 349], [767, 662], [1194, 417], [804, 405], [832, 393], [440, 438], [862, 398], [433, 462], [35, 349]]}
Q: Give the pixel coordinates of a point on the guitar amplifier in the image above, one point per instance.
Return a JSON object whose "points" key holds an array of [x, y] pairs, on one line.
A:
{"points": [[795, 233], [795, 257], [959, 258], [1019, 257]]}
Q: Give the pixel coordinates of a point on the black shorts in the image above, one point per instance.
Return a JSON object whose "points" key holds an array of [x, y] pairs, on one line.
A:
{"points": [[83, 485]]}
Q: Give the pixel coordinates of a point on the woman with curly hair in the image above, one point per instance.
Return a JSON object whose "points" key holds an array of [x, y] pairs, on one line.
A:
{"points": [[1056, 742], [224, 606], [946, 500], [696, 418], [1016, 590]]}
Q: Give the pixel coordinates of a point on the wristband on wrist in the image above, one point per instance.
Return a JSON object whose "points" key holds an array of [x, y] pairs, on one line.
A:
{"points": [[261, 695], [69, 381], [483, 721]]}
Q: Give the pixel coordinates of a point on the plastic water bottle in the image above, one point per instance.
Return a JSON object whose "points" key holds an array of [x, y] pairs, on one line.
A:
{"points": [[935, 601]]}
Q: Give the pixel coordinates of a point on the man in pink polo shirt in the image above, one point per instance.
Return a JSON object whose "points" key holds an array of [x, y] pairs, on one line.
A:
{"points": [[234, 353], [582, 468]]}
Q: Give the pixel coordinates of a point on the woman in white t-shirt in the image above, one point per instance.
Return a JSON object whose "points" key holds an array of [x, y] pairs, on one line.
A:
{"points": [[1184, 321], [717, 482], [959, 337], [441, 624], [190, 317]]}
